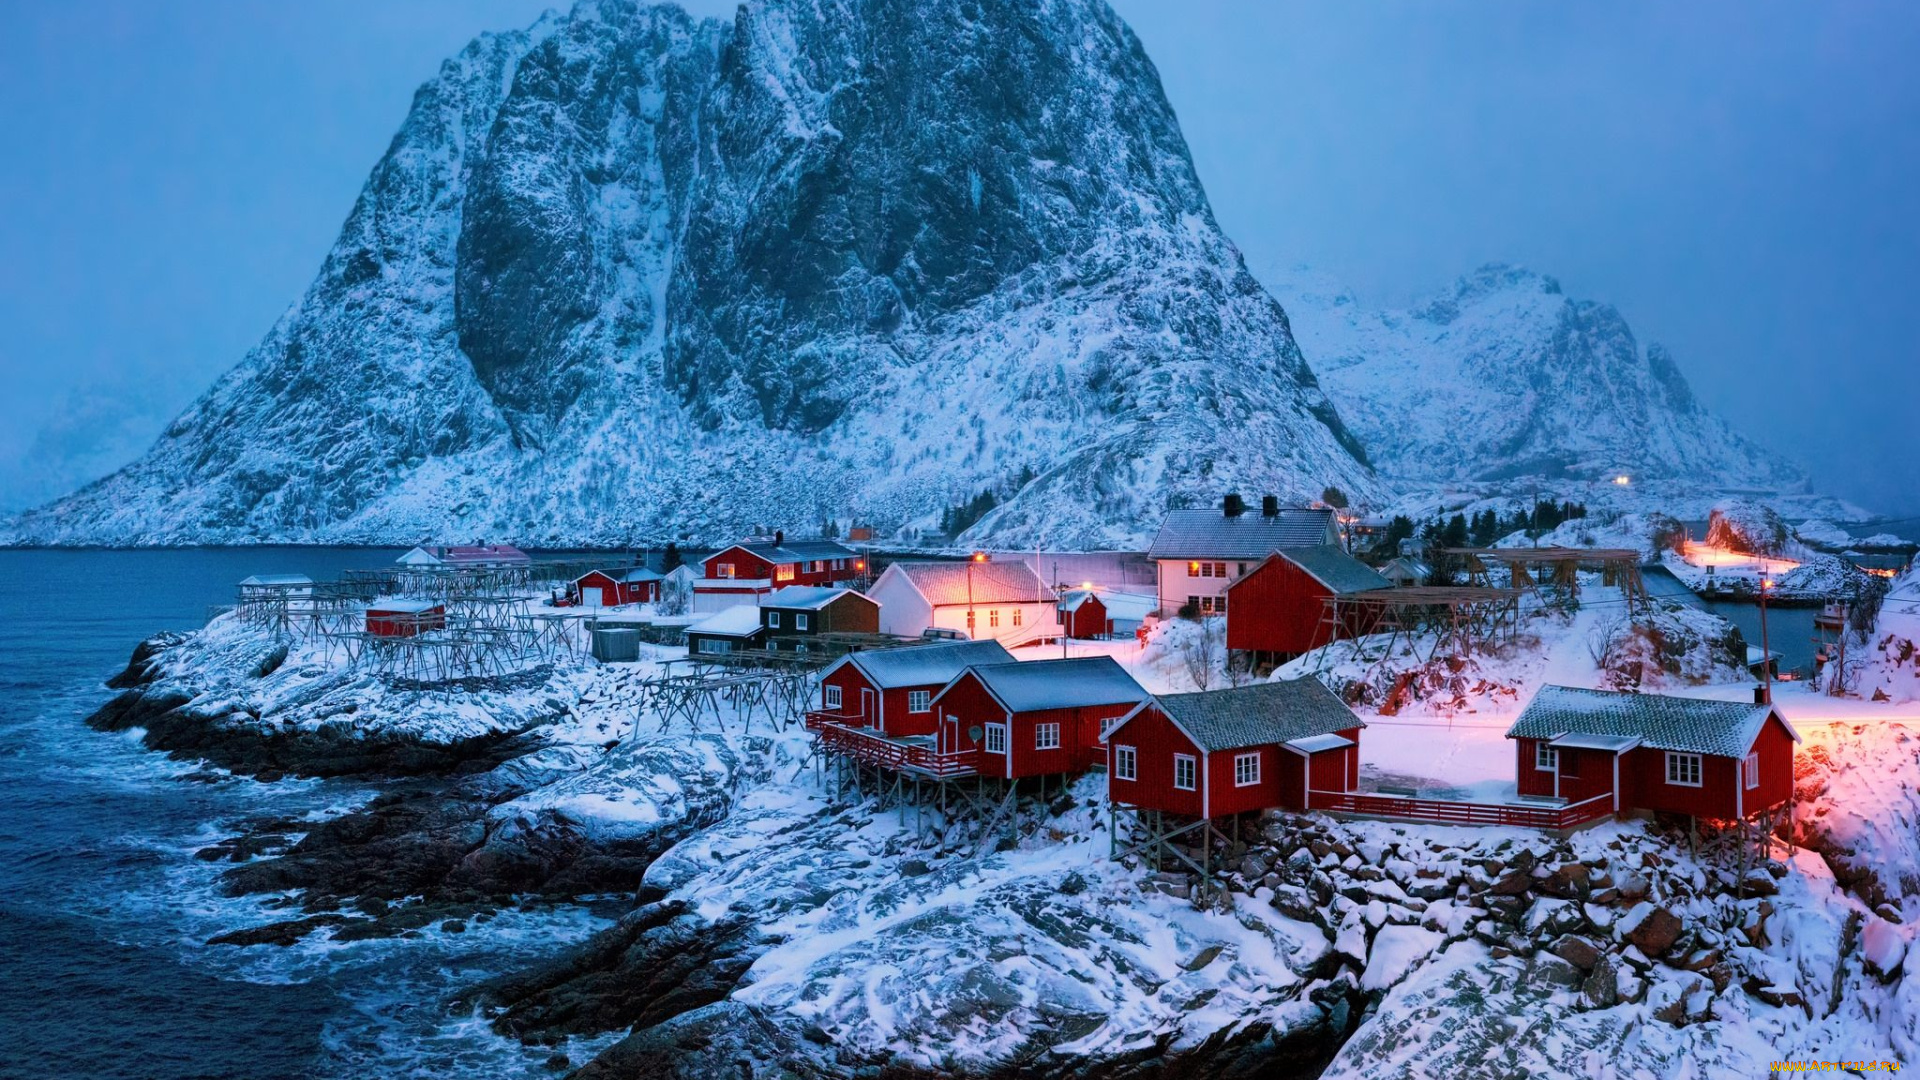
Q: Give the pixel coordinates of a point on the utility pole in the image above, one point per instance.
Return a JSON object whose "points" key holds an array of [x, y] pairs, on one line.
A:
{"points": [[1766, 651]]}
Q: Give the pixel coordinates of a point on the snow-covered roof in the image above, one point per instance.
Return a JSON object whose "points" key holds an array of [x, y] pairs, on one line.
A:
{"points": [[924, 665], [276, 580], [805, 597], [731, 584], [1582, 741], [624, 575], [1074, 598], [1027, 686], [1211, 534], [1404, 567], [1690, 725], [788, 551], [1271, 712], [400, 606], [740, 620], [1129, 607], [946, 584], [1340, 572], [1314, 744]]}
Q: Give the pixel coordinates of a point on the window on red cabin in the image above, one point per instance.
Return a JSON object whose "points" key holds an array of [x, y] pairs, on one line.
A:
{"points": [[919, 700], [830, 696], [1125, 763], [1046, 736], [783, 572], [1545, 758], [996, 741], [1683, 770], [1185, 767], [1750, 771], [1246, 769], [723, 570]]}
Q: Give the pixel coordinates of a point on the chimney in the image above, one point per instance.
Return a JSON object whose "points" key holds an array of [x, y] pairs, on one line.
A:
{"points": [[779, 537], [1233, 505], [1269, 506]]}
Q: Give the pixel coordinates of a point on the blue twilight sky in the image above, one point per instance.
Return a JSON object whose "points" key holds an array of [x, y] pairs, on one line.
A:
{"points": [[1739, 178]]}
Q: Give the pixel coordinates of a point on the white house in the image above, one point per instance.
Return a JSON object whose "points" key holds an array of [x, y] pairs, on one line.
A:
{"points": [[1000, 601], [1197, 553]]}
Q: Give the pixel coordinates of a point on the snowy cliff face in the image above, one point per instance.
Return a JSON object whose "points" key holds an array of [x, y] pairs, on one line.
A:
{"points": [[627, 277], [1504, 376]]}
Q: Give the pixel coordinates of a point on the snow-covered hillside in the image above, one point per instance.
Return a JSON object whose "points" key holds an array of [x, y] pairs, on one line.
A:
{"points": [[627, 276], [1504, 376]]}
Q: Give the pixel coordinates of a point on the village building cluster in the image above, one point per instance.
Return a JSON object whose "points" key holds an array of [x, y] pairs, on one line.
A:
{"points": [[913, 687]]}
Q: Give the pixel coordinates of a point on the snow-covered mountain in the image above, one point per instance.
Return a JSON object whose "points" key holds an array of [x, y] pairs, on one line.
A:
{"points": [[627, 276], [1503, 376]]}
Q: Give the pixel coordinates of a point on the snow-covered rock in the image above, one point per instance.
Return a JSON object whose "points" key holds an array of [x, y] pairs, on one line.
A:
{"points": [[627, 276], [1505, 376]]}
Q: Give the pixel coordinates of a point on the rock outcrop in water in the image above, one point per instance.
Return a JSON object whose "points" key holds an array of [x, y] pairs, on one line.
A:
{"points": [[627, 276]]}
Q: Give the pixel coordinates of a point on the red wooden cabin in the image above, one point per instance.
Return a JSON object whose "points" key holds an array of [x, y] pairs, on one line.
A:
{"points": [[891, 690], [783, 562], [1221, 752], [1277, 610], [405, 618], [1651, 752], [628, 585], [1037, 718], [1082, 614]]}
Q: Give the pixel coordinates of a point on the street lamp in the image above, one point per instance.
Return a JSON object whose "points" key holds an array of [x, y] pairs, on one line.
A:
{"points": [[1766, 653]]}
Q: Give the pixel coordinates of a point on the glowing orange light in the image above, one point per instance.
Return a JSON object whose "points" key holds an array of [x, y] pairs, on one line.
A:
{"points": [[1623, 480], [979, 556], [860, 564], [1194, 566]]}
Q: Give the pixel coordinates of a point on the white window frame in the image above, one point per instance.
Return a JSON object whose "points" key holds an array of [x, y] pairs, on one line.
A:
{"points": [[1193, 772], [993, 617], [1046, 736], [919, 701], [1246, 769], [1107, 726], [783, 572], [830, 696], [773, 620], [1016, 616], [1750, 770], [1546, 758], [1686, 763], [1126, 763], [800, 620], [715, 646], [995, 740], [723, 570]]}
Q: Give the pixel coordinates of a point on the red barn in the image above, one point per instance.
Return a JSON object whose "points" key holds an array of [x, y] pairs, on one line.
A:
{"points": [[891, 690], [1082, 614], [1277, 609], [608, 588], [1222, 752], [1037, 718], [405, 618], [1651, 752]]}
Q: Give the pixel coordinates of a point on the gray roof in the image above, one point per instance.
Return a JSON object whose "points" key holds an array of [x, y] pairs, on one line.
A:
{"points": [[1720, 728], [740, 621], [1338, 571], [795, 550], [277, 580], [1027, 686], [1314, 744], [805, 597], [1270, 712], [1073, 598], [1210, 534], [925, 665], [950, 583]]}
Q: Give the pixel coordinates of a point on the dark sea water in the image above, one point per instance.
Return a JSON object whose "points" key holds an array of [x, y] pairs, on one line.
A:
{"points": [[104, 911]]}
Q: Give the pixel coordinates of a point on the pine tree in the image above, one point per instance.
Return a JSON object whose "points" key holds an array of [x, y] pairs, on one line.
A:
{"points": [[1334, 497], [1455, 534], [670, 559]]}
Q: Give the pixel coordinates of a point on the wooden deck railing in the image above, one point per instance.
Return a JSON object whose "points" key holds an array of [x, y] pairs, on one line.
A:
{"points": [[815, 718], [1446, 812], [875, 749]]}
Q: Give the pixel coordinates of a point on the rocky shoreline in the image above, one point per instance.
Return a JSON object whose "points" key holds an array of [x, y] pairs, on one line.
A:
{"points": [[755, 921]]}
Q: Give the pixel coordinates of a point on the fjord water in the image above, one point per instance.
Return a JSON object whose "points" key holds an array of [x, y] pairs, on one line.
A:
{"points": [[103, 909]]}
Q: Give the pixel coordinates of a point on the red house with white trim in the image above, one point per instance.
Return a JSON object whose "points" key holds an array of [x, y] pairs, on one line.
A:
{"points": [[1277, 610], [1234, 751], [1037, 718], [748, 571], [1082, 614], [891, 690], [1654, 753], [609, 588]]}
